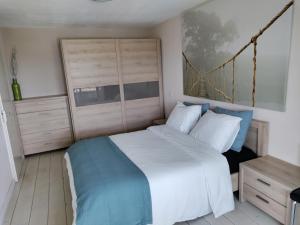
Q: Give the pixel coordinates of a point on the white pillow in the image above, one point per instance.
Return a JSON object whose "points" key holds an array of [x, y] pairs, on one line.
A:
{"points": [[217, 130], [184, 118]]}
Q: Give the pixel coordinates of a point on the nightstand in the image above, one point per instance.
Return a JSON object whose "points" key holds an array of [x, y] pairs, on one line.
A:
{"points": [[267, 182], [159, 122]]}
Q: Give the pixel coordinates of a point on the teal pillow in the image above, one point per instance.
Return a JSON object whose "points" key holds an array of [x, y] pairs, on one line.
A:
{"points": [[246, 117], [204, 106]]}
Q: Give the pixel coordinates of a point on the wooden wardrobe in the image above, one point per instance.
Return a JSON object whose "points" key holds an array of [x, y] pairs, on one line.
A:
{"points": [[114, 85]]}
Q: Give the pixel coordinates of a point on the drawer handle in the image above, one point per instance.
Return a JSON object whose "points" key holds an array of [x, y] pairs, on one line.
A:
{"points": [[262, 199], [263, 182]]}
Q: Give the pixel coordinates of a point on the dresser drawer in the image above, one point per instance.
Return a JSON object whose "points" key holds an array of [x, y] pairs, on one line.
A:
{"points": [[43, 121], [41, 104], [46, 136], [266, 185], [265, 203], [47, 145]]}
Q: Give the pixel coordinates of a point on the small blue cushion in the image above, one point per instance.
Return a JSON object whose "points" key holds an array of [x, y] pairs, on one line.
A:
{"points": [[246, 117], [204, 106]]}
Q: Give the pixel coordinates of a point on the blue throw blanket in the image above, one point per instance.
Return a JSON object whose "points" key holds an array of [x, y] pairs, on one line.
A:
{"points": [[110, 188]]}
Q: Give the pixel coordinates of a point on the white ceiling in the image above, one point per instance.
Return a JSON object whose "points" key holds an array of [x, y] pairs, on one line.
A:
{"points": [[32, 13]]}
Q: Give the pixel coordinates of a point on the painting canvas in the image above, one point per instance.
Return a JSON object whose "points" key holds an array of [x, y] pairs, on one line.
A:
{"points": [[238, 51]]}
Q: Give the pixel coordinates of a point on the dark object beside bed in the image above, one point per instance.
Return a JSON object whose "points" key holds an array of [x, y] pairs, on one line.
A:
{"points": [[235, 158]]}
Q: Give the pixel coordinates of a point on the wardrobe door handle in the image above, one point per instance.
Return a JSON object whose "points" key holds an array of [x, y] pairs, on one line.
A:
{"points": [[263, 182], [262, 199]]}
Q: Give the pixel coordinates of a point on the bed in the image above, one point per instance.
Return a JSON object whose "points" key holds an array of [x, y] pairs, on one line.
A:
{"points": [[184, 183]]}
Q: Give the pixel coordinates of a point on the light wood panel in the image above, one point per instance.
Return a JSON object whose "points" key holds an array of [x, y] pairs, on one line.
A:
{"points": [[140, 113], [98, 120], [280, 171], [15, 195], [267, 183], [95, 63], [43, 121], [92, 63], [238, 215], [25, 199], [258, 137], [57, 209], [254, 213], [48, 135], [267, 186], [222, 220], [45, 124], [39, 211], [53, 144], [67, 192], [141, 62], [265, 203], [41, 104]]}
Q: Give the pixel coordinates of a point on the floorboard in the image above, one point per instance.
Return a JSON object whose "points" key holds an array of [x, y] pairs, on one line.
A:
{"points": [[39, 212], [255, 214], [237, 216], [42, 197], [200, 221], [57, 209], [24, 203], [13, 201], [219, 221], [68, 196]]}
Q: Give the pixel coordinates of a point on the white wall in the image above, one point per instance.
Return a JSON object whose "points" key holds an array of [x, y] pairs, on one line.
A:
{"points": [[38, 53], [7, 181], [284, 140]]}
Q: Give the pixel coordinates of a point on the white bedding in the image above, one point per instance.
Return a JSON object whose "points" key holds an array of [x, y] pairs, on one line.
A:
{"points": [[187, 178]]}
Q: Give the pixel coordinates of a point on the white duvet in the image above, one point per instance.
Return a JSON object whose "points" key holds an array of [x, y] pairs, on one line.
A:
{"points": [[187, 179]]}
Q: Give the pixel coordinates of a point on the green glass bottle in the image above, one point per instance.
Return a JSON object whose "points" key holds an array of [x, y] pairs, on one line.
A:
{"points": [[16, 90]]}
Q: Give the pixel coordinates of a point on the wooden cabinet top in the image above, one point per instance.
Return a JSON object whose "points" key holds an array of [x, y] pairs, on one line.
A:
{"points": [[276, 169]]}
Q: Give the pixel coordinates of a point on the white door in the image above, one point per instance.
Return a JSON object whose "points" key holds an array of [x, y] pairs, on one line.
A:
{"points": [[7, 167], [6, 155], [9, 123]]}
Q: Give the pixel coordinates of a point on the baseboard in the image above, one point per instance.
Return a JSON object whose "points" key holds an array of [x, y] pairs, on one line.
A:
{"points": [[6, 202]]}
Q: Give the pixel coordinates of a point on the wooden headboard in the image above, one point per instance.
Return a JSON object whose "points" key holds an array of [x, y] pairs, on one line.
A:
{"points": [[258, 137]]}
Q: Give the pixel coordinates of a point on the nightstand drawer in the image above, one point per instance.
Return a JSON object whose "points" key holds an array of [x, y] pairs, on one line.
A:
{"points": [[265, 203], [266, 185]]}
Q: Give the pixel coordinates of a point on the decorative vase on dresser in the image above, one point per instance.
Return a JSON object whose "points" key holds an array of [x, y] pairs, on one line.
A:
{"points": [[16, 89]]}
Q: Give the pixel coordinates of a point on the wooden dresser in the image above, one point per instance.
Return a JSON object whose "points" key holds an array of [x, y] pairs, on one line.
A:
{"points": [[44, 124], [267, 183]]}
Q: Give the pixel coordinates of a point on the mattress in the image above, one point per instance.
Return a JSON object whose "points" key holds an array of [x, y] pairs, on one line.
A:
{"points": [[235, 158]]}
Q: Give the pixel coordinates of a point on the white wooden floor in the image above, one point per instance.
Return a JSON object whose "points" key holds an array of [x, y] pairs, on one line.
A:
{"points": [[42, 197]]}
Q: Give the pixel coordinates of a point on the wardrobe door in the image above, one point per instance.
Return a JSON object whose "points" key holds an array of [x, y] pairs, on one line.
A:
{"points": [[140, 68], [92, 77]]}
